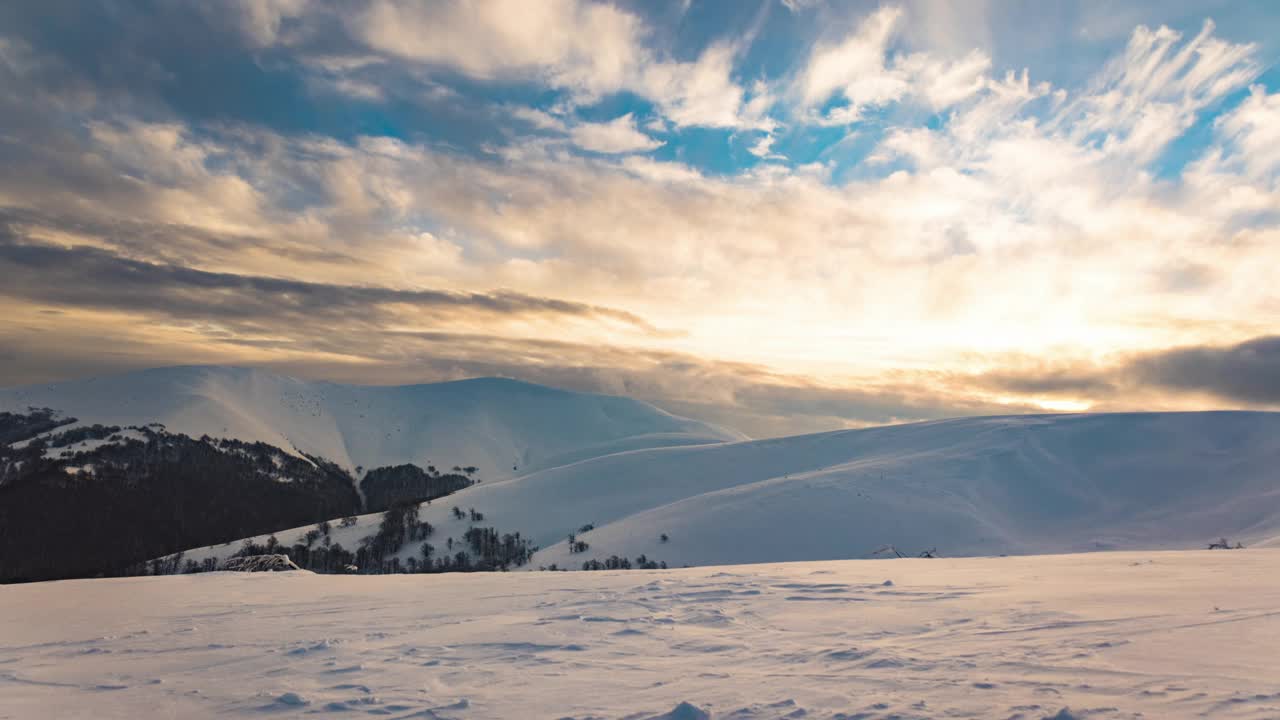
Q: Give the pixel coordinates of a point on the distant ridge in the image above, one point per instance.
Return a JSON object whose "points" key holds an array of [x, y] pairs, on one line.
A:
{"points": [[971, 486], [503, 427]]}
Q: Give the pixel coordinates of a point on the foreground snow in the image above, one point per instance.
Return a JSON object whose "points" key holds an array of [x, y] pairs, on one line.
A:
{"points": [[1108, 635]]}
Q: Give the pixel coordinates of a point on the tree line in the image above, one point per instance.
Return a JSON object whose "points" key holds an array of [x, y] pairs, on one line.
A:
{"points": [[69, 510]]}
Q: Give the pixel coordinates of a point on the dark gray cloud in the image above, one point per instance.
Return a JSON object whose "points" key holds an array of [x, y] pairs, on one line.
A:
{"points": [[163, 243], [1245, 374], [1081, 380], [97, 279], [1248, 372]]}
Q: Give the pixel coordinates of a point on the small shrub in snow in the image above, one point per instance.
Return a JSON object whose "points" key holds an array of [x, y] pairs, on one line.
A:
{"points": [[260, 563], [613, 562], [292, 699], [684, 711]]}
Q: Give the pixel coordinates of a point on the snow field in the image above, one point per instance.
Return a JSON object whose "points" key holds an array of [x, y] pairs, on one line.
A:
{"points": [[1097, 635]]}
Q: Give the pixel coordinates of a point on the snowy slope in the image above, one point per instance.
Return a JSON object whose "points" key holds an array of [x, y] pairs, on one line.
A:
{"points": [[1029, 484], [1103, 636], [490, 423]]}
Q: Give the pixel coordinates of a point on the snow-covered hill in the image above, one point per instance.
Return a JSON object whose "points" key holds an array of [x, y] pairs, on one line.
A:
{"points": [[1103, 636], [493, 424], [974, 486]]}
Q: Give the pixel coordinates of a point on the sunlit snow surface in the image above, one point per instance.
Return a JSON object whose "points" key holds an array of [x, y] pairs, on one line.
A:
{"points": [[1107, 635], [970, 486]]}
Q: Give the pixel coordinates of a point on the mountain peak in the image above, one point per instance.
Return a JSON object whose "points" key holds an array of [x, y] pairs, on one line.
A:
{"points": [[502, 425]]}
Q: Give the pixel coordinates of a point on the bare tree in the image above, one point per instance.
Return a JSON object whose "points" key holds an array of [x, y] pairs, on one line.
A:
{"points": [[886, 549]]}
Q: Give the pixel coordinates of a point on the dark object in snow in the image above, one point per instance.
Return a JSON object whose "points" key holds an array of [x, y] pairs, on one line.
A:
{"points": [[386, 486], [1063, 714], [1225, 544], [259, 563], [293, 699], [887, 583], [887, 549], [684, 711]]}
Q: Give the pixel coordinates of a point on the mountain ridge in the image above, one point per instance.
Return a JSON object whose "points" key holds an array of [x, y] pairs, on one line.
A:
{"points": [[504, 426], [1046, 483]]}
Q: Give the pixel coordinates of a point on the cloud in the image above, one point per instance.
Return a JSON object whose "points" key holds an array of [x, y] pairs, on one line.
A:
{"points": [[617, 136], [352, 76], [261, 20], [93, 278], [780, 258], [539, 119], [590, 49], [1252, 133], [1247, 372], [797, 6], [586, 47], [763, 147], [656, 124], [1151, 93], [745, 397], [980, 241], [1051, 379], [942, 85], [345, 332], [855, 66], [864, 71], [703, 93], [1244, 374]]}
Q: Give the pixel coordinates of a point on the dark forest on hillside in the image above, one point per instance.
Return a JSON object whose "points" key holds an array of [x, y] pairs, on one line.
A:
{"points": [[97, 500]]}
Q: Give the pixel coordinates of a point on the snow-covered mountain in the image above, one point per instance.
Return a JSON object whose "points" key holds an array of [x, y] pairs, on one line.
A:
{"points": [[554, 461], [972, 486], [502, 427], [126, 460]]}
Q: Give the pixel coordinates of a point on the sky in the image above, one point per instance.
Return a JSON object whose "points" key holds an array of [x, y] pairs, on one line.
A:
{"points": [[782, 215]]}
